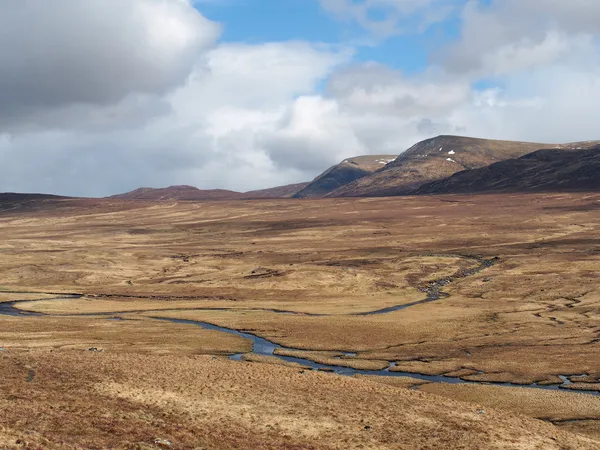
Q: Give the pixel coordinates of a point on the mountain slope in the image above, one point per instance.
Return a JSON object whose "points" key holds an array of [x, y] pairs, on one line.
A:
{"points": [[437, 159], [543, 170], [287, 191], [13, 200], [179, 193], [343, 173], [17, 197]]}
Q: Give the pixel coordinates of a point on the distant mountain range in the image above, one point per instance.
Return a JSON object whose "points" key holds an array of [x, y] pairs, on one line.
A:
{"points": [[444, 164], [437, 159], [191, 193], [344, 173], [179, 193], [7, 197], [287, 191], [13, 200], [543, 170], [333, 178]]}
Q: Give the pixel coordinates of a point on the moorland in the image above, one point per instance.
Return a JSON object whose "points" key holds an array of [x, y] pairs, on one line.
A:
{"points": [[454, 321]]}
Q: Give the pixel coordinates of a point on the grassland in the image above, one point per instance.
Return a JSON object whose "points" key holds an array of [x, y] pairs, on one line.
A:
{"points": [[301, 274], [91, 400]]}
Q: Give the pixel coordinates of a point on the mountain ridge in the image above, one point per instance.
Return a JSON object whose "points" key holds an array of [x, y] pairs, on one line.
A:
{"points": [[285, 191], [178, 192], [543, 170], [433, 159], [348, 170], [414, 171]]}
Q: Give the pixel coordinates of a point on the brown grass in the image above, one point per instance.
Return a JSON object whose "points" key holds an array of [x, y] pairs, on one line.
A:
{"points": [[531, 317], [121, 400], [577, 412], [128, 336]]}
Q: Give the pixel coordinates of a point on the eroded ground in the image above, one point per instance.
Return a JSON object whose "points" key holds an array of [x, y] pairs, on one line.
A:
{"points": [[306, 275]]}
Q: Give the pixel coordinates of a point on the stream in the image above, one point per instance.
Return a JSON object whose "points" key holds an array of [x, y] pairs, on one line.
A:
{"points": [[264, 347]]}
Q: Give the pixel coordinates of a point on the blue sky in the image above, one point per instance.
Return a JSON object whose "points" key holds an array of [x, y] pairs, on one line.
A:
{"points": [[213, 92], [258, 21]]}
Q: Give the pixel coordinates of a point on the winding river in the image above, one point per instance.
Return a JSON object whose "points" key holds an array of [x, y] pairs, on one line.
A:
{"points": [[264, 347]]}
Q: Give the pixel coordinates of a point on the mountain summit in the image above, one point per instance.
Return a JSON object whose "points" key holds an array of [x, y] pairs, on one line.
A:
{"points": [[434, 159], [343, 173], [178, 193], [543, 170]]}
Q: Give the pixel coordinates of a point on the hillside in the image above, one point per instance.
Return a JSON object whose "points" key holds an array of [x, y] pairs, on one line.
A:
{"points": [[486, 290], [179, 193], [343, 173], [287, 191], [543, 170], [437, 159], [13, 200], [17, 197]]}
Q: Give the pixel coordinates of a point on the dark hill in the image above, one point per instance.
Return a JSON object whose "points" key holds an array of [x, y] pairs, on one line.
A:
{"points": [[543, 170], [16, 197], [433, 159], [287, 191], [179, 193], [343, 173], [13, 200]]}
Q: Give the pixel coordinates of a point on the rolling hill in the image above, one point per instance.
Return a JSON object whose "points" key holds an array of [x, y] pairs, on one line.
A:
{"points": [[13, 200], [287, 191], [543, 170], [343, 173], [191, 193], [179, 193], [436, 159], [18, 197]]}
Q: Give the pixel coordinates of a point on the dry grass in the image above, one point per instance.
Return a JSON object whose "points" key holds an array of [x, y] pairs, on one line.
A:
{"points": [[402, 382], [127, 336], [335, 359], [551, 405], [575, 412], [531, 317], [108, 400]]}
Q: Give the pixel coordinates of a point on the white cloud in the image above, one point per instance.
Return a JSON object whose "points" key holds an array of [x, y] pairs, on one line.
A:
{"points": [[58, 53], [384, 18], [206, 132], [557, 104], [375, 88], [311, 135], [511, 35], [156, 102]]}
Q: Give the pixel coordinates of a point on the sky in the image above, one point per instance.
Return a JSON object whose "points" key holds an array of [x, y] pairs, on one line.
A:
{"points": [[100, 97]]}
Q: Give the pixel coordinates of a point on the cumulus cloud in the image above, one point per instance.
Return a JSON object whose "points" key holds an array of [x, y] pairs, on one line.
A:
{"points": [[511, 35], [148, 97], [57, 53], [557, 104], [384, 18], [310, 136], [375, 88], [204, 132]]}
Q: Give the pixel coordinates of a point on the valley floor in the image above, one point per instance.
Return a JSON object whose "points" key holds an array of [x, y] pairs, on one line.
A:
{"points": [[499, 291]]}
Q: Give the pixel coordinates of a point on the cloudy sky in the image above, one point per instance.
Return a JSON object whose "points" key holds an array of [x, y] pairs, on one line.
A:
{"points": [[99, 97]]}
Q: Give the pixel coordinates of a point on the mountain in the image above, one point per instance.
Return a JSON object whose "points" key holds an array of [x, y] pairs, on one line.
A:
{"points": [[193, 193], [13, 200], [287, 191], [543, 170], [11, 197], [343, 173], [179, 193], [436, 159]]}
